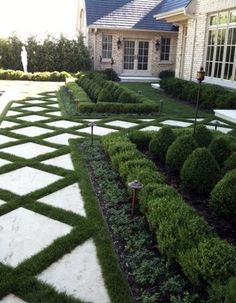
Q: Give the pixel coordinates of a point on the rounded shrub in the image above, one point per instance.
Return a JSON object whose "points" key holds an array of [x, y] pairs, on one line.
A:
{"points": [[213, 260], [220, 149], [104, 96], [231, 291], [140, 139], [223, 196], [126, 97], [179, 151], [230, 163], [117, 93], [203, 135], [200, 172], [160, 143]]}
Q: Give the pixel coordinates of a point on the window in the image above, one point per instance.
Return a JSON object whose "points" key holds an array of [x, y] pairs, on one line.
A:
{"points": [[107, 46], [221, 46], [165, 49]]}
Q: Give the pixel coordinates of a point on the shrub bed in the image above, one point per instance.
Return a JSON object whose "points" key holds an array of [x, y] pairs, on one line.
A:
{"points": [[212, 96], [181, 233], [39, 76]]}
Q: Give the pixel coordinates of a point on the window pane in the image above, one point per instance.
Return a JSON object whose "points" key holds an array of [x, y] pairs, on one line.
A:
{"points": [[165, 49], [213, 20], [232, 16], [223, 18], [107, 46]]}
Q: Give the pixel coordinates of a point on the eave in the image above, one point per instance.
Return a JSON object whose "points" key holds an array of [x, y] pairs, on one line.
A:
{"points": [[174, 16]]}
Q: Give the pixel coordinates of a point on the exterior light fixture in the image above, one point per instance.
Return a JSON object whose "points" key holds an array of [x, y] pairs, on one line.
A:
{"points": [[100, 60], [135, 186], [157, 45], [119, 43], [217, 123], [92, 124], [112, 61], [161, 106], [200, 77]]}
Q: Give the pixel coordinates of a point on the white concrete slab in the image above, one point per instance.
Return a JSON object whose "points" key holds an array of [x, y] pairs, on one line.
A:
{"points": [[16, 104], [81, 272], [33, 118], [151, 128], [228, 115], [52, 98], [34, 101], [63, 161], [120, 123], [25, 233], [11, 299], [57, 114], [1, 203], [26, 179], [12, 113], [92, 120], [198, 119], [28, 150], [6, 139], [32, 131], [53, 105], [220, 129], [34, 108], [146, 120], [4, 162], [97, 130], [218, 121], [64, 124], [176, 123], [68, 198], [62, 138], [6, 124]]}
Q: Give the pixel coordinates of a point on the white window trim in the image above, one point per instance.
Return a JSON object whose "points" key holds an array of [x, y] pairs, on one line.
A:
{"points": [[166, 61], [104, 59]]}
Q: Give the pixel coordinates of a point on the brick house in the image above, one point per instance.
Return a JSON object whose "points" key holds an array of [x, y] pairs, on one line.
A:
{"points": [[206, 37], [125, 35]]}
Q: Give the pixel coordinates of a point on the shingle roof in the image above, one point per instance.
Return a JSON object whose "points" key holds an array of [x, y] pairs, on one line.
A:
{"points": [[171, 5], [133, 14]]}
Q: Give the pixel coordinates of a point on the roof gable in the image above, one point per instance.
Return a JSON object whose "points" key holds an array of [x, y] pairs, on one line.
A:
{"points": [[126, 14], [171, 5]]}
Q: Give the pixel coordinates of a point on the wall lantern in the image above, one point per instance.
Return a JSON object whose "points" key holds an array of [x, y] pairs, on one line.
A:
{"points": [[119, 43], [157, 45]]}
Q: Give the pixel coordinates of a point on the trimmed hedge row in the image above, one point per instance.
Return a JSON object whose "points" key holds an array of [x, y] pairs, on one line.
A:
{"points": [[79, 95], [181, 233], [40, 76], [212, 96]]}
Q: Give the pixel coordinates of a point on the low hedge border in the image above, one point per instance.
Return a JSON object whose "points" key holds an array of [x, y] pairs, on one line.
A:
{"points": [[182, 234], [10, 74]]}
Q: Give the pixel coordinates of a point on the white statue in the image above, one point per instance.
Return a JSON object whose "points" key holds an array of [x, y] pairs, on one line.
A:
{"points": [[24, 58]]}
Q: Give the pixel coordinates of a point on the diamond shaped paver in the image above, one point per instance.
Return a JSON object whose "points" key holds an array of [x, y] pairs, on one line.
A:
{"points": [[32, 131], [223, 130], [6, 139], [34, 108], [97, 130], [26, 179], [13, 113], [11, 299], [25, 233], [33, 118], [63, 161], [28, 150], [62, 138], [68, 198], [81, 272], [176, 123], [6, 124], [151, 128], [4, 162], [58, 114], [123, 124], [2, 202], [64, 124]]}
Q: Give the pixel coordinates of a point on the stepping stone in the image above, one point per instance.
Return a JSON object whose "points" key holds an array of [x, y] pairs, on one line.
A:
{"points": [[92, 120], [15, 104], [176, 123], [33, 118], [97, 130], [4, 162], [6, 139], [54, 114], [28, 150], [64, 124], [219, 122], [198, 119], [68, 198], [52, 98], [151, 128], [53, 105], [34, 101], [34, 108], [11, 299], [220, 129], [63, 161], [147, 120], [25, 233], [123, 124], [32, 131], [6, 124], [81, 272], [1, 203], [62, 138], [26, 180], [12, 113]]}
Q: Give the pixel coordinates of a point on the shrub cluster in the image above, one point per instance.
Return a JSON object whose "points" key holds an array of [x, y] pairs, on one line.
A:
{"points": [[212, 96], [230, 163], [181, 233], [166, 74], [78, 94], [220, 149], [43, 76]]}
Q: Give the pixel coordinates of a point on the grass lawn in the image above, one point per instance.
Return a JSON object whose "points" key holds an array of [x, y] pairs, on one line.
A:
{"points": [[170, 105]]}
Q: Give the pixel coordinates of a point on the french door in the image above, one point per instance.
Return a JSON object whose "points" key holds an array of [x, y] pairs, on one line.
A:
{"points": [[136, 57]]}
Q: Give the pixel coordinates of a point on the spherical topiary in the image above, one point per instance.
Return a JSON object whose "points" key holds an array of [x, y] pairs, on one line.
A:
{"points": [[223, 196], [220, 149], [126, 97], [104, 96], [231, 291], [203, 135], [200, 172], [230, 163], [159, 145], [179, 151]]}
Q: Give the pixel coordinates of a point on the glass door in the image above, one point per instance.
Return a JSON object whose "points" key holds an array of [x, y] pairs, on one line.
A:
{"points": [[129, 55], [143, 51]]}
